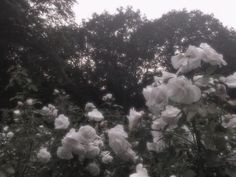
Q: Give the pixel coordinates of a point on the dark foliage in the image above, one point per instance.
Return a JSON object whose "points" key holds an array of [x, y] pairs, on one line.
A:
{"points": [[118, 52]]}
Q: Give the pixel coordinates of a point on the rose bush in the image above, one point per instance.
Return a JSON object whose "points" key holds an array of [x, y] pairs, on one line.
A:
{"points": [[187, 130]]}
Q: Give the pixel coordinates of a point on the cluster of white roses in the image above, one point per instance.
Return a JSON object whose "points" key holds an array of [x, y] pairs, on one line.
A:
{"points": [[171, 89], [85, 143], [194, 56], [162, 99]]}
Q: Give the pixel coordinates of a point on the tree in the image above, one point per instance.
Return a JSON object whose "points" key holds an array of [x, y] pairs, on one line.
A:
{"points": [[124, 50], [176, 30], [25, 27], [115, 59]]}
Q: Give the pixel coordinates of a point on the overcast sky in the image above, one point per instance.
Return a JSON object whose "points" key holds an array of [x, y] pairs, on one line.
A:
{"points": [[224, 10]]}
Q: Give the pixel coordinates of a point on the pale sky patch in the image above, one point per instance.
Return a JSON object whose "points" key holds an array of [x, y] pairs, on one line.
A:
{"points": [[224, 10]]}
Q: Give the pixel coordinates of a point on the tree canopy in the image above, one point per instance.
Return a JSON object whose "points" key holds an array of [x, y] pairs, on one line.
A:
{"points": [[118, 53]]}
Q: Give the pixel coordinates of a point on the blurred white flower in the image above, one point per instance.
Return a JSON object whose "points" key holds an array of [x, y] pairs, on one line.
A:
{"points": [[232, 102], [229, 121], [158, 124], [10, 135], [45, 109], [20, 103], [140, 171], [156, 147], [103, 88], [89, 107], [43, 155], [64, 153], [3, 135], [107, 97], [188, 61], [41, 126], [30, 101], [156, 98], [211, 56], [158, 143], [56, 91], [181, 90], [50, 110], [209, 91], [118, 143], [164, 78], [171, 115], [93, 169], [95, 115], [118, 130], [221, 91], [157, 135], [17, 112], [6, 128], [230, 81], [134, 118], [202, 81], [61, 122], [106, 157], [194, 56], [85, 143]]}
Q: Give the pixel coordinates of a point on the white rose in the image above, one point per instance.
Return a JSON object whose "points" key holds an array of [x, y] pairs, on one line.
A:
{"points": [[43, 155], [61, 122], [95, 115]]}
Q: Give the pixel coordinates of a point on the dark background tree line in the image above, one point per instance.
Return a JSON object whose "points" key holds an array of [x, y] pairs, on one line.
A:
{"points": [[42, 48]]}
